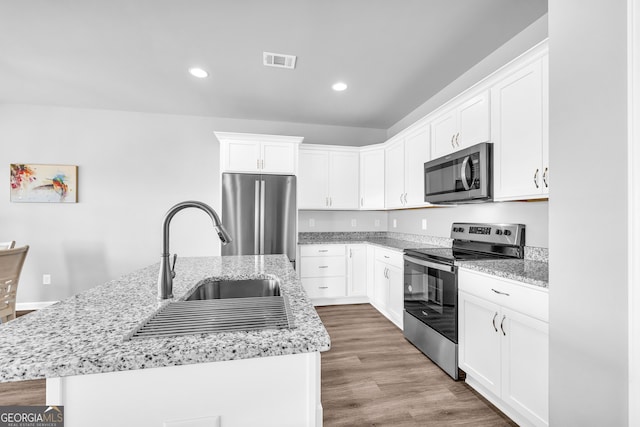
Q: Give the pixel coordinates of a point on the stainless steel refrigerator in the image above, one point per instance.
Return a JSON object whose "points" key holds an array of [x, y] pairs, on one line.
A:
{"points": [[259, 212]]}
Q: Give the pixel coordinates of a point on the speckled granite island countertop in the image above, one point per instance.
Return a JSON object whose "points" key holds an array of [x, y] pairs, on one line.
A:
{"points": [[521, 270], [393, 241], [85, 333]]}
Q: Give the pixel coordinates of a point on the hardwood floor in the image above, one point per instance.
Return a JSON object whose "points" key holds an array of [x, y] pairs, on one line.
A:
{"points": [[372, 376]]}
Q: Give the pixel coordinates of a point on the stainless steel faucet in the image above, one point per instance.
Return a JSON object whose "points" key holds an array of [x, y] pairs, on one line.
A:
{"points": [[167, 272]]}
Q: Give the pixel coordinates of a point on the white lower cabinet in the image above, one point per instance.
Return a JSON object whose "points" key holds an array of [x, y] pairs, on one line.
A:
{"points": [[503, 341], [323, 270], [351, 274], [388, 288]]}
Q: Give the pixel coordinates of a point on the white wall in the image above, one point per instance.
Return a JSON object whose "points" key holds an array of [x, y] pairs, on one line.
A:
{"points": [[533, 214], [588, 318], [132, 168], [341, 221]]}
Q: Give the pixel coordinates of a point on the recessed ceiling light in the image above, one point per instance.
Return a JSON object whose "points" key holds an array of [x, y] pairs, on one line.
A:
{"points": [[198, 72], [339, 87]]}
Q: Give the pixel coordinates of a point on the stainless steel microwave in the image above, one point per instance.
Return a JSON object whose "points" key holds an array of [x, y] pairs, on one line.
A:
{"points": [[461, 177]]}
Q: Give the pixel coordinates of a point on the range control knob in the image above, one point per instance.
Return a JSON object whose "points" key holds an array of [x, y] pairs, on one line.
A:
{"points": [[499, 232], [507, 232], [461, 230]]}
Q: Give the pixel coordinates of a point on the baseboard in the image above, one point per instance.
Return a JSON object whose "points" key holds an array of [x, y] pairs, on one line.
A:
{"points": [[25, 306]]}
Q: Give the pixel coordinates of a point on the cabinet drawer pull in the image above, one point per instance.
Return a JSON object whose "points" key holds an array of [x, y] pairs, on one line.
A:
{"points": [[502, 325], [457, 136], [498, 292], [453, 136], [323, 266], [386, 256], [494, 321], [323, 250], [323, 287], [535, 178], [544, 177]]}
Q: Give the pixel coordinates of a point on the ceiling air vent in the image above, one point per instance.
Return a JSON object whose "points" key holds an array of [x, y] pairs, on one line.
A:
{"points": [[279, 60]]}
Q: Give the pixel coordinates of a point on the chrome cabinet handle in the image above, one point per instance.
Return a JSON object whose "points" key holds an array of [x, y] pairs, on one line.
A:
{"points": [[262, 163], [535, 178], [323, 266], [453, 136], [323, 250], [405, 199], [401, 199], [494, 321], [544, 177], [457, 136], [350, 253], [323, 287], [361, 201], [257, 163], [498, 292], [326, 201], [330, 201], [502, 325]]}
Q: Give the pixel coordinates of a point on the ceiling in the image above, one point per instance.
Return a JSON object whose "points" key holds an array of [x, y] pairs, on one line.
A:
{"points": [[133, 55]]}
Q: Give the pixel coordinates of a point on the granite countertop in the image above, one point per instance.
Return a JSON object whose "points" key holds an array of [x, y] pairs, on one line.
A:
{"points": [[522, 270], [397, 241], [85, 333]]}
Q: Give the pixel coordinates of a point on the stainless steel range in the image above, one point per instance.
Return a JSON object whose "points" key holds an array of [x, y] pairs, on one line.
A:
{"points": [[431, 285]]}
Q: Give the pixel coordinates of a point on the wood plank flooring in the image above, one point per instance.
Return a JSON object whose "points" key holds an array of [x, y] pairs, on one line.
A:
{"points": [[372, 376]]}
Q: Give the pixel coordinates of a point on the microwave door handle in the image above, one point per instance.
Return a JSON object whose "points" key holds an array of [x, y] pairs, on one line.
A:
{"points": [[463, 173], [441, 267]]}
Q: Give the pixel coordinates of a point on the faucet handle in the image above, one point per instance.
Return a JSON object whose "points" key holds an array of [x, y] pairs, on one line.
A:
{"points": [[173, 266]]}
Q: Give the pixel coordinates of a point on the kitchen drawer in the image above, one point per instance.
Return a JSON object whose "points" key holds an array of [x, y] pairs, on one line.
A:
{"points": [[394, 258], [507, 293], [325, 287], [322, 250], [326, 266]]}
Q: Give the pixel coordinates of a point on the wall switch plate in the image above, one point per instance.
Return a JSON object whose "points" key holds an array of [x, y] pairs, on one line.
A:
{"points": [[353, 222], [312, 222], [395, 223], [46, 279], [424, 223], [376, 223]]}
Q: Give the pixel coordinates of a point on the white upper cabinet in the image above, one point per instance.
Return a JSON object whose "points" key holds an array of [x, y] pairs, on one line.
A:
{"points": [[465, 124], [328, 178], [519, 125], [254, 153], [372, 178], [404, 168]]}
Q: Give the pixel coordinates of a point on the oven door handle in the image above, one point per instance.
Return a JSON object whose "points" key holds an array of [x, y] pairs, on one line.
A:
{"points": [[441, 267]]}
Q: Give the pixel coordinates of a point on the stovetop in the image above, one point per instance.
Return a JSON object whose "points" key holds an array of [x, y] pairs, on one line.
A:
{"points": [[476, 241]]}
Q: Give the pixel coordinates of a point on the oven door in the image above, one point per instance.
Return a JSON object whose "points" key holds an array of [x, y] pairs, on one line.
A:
{"points": [[431, 295]]}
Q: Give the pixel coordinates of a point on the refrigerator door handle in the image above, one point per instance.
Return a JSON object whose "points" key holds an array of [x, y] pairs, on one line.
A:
{"points": [[256, 218], [263, 187]]}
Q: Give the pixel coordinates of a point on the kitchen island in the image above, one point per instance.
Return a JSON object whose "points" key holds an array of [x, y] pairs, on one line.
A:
{"points": [[80, 345]]}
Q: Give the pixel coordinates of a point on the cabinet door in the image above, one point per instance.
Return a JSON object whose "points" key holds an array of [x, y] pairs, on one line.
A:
{"points": [[372, 179], [313, 180], [396, 294], [473, 121], [344, 178], [443, 133], [394, 175], [241, 156], [380, 285], [278, 157], [356, 270], [416, 152], [525, 365], [478, 340], [518, 132]]}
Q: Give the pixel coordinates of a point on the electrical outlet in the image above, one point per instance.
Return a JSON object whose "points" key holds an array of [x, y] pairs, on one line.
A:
{"points": [[312, 222], [395, 223], [353, 222], [46, 279], [424, 223], [376, 223]]}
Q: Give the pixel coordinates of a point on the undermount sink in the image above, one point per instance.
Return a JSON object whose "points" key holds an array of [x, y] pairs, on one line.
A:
{"points": [[246, 288], [222, 305]]}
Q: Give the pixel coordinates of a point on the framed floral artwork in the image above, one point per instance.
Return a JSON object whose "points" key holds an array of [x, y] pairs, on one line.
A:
{"points": [[44, 183]]}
